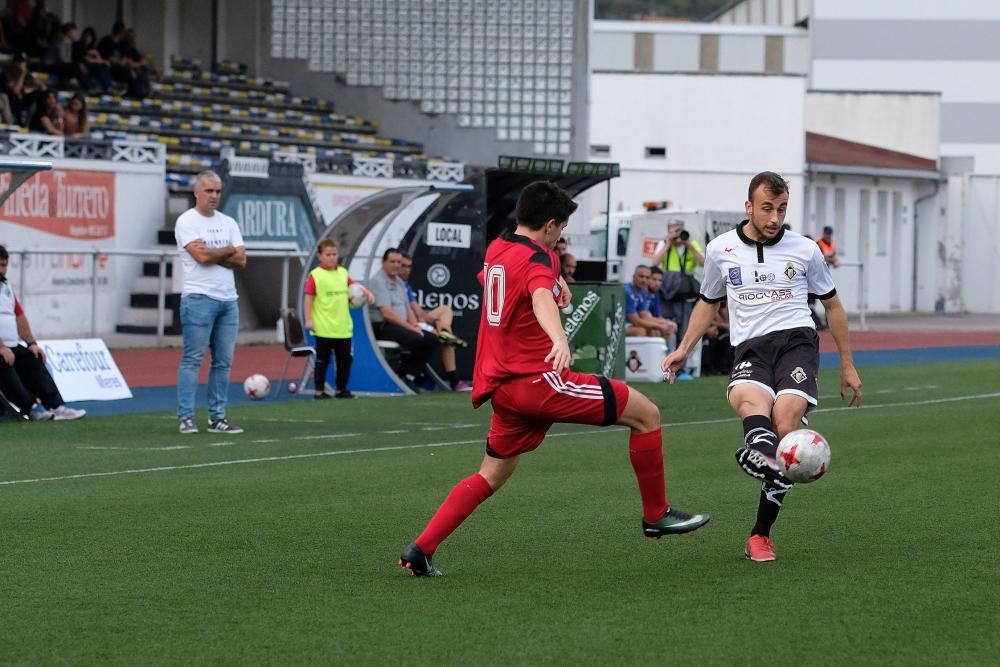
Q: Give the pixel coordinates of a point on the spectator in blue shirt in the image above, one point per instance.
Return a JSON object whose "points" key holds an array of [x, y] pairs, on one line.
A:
{"points": [[638, 300]]}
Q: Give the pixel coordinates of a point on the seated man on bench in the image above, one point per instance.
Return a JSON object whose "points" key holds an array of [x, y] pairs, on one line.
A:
{"points": [[393, 319]]}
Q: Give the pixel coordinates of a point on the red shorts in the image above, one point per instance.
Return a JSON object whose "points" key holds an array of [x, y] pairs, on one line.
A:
{"points": [[525, 408]]}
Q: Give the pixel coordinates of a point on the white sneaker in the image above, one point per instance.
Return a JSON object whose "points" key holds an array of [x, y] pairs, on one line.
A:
{"points": [[66, 413], [223, 426], [38, 413]]}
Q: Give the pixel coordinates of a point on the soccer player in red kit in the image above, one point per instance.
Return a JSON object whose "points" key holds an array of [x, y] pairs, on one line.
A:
{"points": [[522, 366]]}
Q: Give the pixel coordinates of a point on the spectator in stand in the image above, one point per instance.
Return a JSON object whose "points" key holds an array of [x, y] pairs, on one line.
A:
{"points": [[437, 321], [75, 122], [828, 247], [637, 303], [19, 84], [23, 376], [328, 317], [16, 25], [656, 305], [393, 319], [5, 46], [112, 49], [48, 117], [39, 31], [567, 267], [86, 55], [60, 58], [140, 70]]}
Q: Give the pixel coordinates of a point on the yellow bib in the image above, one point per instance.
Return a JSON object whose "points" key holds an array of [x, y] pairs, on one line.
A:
{"points": [[330, 312]]}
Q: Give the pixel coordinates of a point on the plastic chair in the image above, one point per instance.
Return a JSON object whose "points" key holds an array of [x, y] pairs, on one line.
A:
{"points": [[297, 345]]}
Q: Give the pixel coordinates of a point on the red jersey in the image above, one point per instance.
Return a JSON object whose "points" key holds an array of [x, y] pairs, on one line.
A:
{"points": [[511, 342]]}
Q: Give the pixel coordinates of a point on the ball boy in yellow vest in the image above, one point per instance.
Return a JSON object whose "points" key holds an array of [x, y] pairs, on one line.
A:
{"points": [[328, 317]]}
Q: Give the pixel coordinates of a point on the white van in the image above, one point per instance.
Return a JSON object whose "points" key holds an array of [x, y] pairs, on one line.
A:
{"points": [[634, 235]]}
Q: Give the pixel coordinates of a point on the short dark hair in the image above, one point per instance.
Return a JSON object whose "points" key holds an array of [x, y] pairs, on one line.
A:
{"points": [[325, 243], [655, 270], [771, 181], [389, 251], [542, 201], [828, 230], [117, 28], [405, 254], [3, 252]]}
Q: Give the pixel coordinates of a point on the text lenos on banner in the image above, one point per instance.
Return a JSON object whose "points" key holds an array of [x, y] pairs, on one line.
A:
{"points": [[594, 323], [84, 370], [73, 204]]}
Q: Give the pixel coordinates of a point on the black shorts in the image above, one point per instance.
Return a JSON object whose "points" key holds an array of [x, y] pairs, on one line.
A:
{"points": [[781, 362]]}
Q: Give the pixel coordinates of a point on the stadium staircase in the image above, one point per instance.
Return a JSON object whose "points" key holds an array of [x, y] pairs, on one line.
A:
{"points": [[142, 314]]}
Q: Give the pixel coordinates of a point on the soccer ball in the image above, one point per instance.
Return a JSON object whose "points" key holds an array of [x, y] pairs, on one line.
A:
{"points": [[257, 386], [292, 388], [803, 456], [356, 296]]}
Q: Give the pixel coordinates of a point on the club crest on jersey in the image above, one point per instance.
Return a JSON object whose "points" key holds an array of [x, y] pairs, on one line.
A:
{"points": [[799, 375], [735, 276], [790, 271]]}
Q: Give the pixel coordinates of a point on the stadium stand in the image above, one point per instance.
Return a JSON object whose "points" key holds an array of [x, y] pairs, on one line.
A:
{"points": [[196, 114], [499, 65]]}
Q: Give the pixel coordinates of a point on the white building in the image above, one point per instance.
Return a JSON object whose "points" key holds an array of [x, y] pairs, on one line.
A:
{"points": [[899, 147]]}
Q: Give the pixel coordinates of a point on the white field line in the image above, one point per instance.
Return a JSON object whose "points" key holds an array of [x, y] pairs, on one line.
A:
{"points": [[139, 449], [897, 390], [431, 445]]}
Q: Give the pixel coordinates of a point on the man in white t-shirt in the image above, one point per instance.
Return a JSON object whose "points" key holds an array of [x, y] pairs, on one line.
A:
{"points": [[766, 273], [210, 247]]}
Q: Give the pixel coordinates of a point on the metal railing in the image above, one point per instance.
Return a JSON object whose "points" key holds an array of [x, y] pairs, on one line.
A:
{"points": [[163, 257], [27, 144]]}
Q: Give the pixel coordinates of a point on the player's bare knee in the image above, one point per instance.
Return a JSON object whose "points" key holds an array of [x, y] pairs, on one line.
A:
{"points": [[640, 413], [783, 425]]}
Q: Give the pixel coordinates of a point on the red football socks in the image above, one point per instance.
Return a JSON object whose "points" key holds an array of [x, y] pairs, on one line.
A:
{"points": [[456, 508], [645, 450]]}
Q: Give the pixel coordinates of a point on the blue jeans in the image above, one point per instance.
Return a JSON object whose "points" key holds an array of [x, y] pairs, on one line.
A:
{"points": [[206, 323]]}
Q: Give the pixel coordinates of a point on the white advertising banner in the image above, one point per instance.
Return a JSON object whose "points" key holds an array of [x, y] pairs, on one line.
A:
{"points": [[84, 370]]}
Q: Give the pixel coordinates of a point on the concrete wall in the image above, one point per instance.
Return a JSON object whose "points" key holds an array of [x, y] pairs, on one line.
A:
{"points": [[698, 47], [904, 122], [952, 49], [715, 141]]}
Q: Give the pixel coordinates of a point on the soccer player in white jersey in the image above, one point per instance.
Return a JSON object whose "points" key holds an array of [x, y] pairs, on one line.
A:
{"points": [[767, 273]]}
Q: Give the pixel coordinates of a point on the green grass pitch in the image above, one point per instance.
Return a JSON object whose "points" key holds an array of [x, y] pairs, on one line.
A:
{"points": [[126, 543]]}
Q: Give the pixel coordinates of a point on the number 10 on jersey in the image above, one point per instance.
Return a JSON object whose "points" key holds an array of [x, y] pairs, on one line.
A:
{"points": [[494, 292]]}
